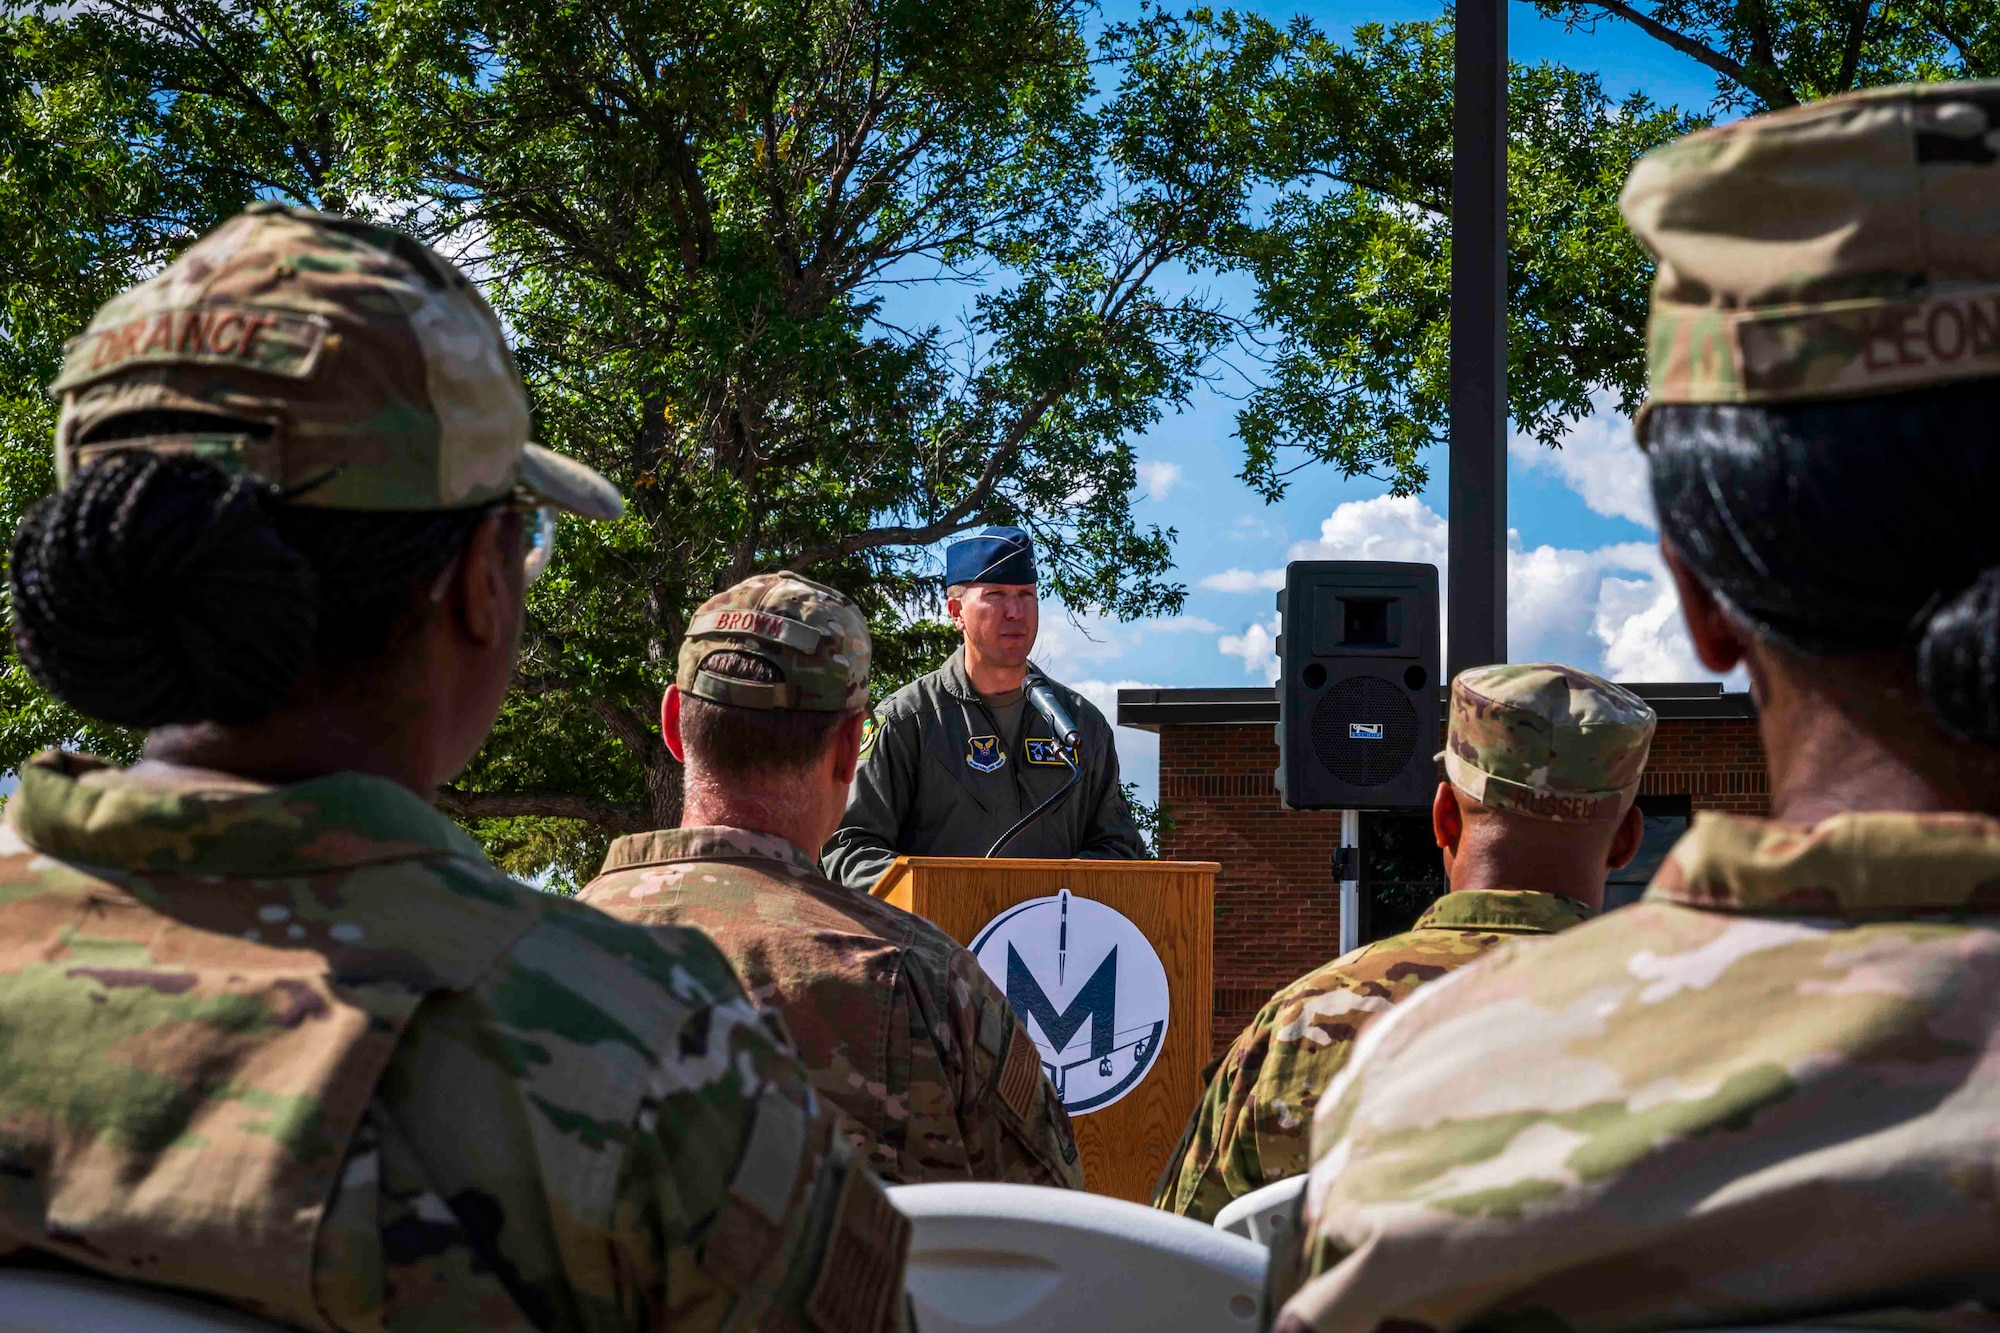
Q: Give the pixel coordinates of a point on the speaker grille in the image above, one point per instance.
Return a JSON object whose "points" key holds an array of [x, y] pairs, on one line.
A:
{"points": [[1369, 701]]}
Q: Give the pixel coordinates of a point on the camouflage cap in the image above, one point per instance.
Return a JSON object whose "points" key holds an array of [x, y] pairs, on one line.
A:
{"points": [[813, 635], [1844, 248], [377, 376], [1545, 740]]}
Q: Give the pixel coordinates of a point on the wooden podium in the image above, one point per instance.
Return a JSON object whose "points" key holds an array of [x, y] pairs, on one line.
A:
{"points": [[1125, 1142]]}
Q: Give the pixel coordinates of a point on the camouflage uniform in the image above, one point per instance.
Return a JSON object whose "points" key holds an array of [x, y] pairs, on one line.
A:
{"points": [[1547, 741], [898, 1026], [302, 1048], [1768, 1090], [1253, 1125]]}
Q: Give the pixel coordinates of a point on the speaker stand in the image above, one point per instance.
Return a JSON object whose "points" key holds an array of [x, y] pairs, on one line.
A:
{"points": [[1347, 869]]}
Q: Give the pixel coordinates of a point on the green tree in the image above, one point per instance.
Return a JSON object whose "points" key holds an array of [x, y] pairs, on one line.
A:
{"points": [[1768, 54], [690, 214], [821, 282], [1353, 261]]}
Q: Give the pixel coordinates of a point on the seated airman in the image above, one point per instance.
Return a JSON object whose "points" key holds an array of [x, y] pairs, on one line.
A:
{"points": [[898, 1025], [272, 1029], [1542, 765]]}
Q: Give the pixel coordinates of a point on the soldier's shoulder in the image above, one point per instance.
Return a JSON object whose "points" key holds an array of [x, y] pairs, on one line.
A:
{"points": [[917, 697], [1420, 954], [1342, 973], [597, 962], [930, 956], [1370, 979], [719, 864]]}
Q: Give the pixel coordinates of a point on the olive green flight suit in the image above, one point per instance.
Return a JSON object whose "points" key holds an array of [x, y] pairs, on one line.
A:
{"points": [[938, 779]]}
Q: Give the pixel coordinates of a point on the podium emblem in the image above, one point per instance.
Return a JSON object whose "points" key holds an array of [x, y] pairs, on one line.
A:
{"points": [[1089, 987]]}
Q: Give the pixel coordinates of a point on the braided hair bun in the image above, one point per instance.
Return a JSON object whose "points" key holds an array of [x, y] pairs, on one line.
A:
{"points": [[1849, 526], [1958, 660], [155, 589]]}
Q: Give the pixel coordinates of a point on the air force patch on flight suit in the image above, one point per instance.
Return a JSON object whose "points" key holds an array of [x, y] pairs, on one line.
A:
{"points": [[983, 754], [1045, 752]]}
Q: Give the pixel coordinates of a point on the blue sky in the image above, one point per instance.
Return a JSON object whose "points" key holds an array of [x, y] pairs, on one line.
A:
{"points": [[1585, 584]]}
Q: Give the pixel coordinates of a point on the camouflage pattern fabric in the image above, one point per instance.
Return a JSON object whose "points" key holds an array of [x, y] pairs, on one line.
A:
{"points": [[1547, 741], [1254, 1124], [898, 1026], [384, 377], [1767, 1090], [814, 635], [1840, 248], [303, 1049]]}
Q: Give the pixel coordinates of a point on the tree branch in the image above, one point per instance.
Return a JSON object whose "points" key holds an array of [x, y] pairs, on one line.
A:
{"points": [[1775, 95], [613, 816], [1850, 55], [630, 729]]}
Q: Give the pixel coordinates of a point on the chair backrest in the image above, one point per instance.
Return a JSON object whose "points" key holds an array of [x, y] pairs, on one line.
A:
{"points": [[1264, 1215], [39, 1302], [1005, 1257]]}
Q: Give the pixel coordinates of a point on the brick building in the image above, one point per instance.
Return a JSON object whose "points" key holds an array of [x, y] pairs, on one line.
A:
{"points": [[1276, 906]]}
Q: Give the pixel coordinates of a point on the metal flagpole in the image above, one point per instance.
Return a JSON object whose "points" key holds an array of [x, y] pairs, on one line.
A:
{"points": [[1477, 543]]}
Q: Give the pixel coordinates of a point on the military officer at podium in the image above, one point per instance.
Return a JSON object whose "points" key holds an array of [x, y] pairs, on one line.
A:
{"points": [[961, 756], [898, 1026], [1542, 765]]}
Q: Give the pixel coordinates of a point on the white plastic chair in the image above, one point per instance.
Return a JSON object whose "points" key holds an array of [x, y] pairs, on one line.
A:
{"points": [[1027, 1257], [38, 1302], [1263, 1215]]}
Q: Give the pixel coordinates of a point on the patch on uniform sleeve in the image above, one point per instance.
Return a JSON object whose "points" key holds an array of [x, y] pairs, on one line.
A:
{"points": [[861, 1279], [991, 1024], [983, 754], [1021, 1075], [750, 1226], [871, 727]]}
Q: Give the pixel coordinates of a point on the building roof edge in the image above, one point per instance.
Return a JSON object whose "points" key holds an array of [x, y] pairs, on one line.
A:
{"points": [[1152, 709]]}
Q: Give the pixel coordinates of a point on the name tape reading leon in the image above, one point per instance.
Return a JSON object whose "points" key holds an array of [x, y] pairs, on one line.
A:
{"points": [[1090, 988]]}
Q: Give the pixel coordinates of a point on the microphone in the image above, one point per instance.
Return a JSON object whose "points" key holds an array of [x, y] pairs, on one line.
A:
{"points": [[1044, 698]]}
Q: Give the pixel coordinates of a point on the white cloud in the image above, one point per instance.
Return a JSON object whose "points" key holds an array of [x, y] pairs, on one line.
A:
{"points": [[1611, 609], [1554, 596], [1255, 528], [1074, 645], [1388, 527], [1600, 461], [1257, 645], [1159, 479], [1138, 751], [1243, 580]]}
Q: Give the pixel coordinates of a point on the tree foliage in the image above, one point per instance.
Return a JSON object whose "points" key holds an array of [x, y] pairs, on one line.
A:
{"points": [[818, 283], [1353, 263], [1768, 54]]}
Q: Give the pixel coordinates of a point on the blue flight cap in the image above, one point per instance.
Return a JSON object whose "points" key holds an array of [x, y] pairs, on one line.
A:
{"points": [[990, 555]]}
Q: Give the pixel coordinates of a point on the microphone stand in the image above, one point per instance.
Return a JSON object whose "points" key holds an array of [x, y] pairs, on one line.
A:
{"points": [[1075, 776], [1051, 708]]}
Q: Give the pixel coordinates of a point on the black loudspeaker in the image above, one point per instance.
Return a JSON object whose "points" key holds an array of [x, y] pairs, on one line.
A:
{"points": [[1358, 703]]}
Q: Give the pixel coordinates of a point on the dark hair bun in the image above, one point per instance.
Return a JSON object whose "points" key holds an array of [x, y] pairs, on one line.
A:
{"points": [[1958, 660], [155, 589]]}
